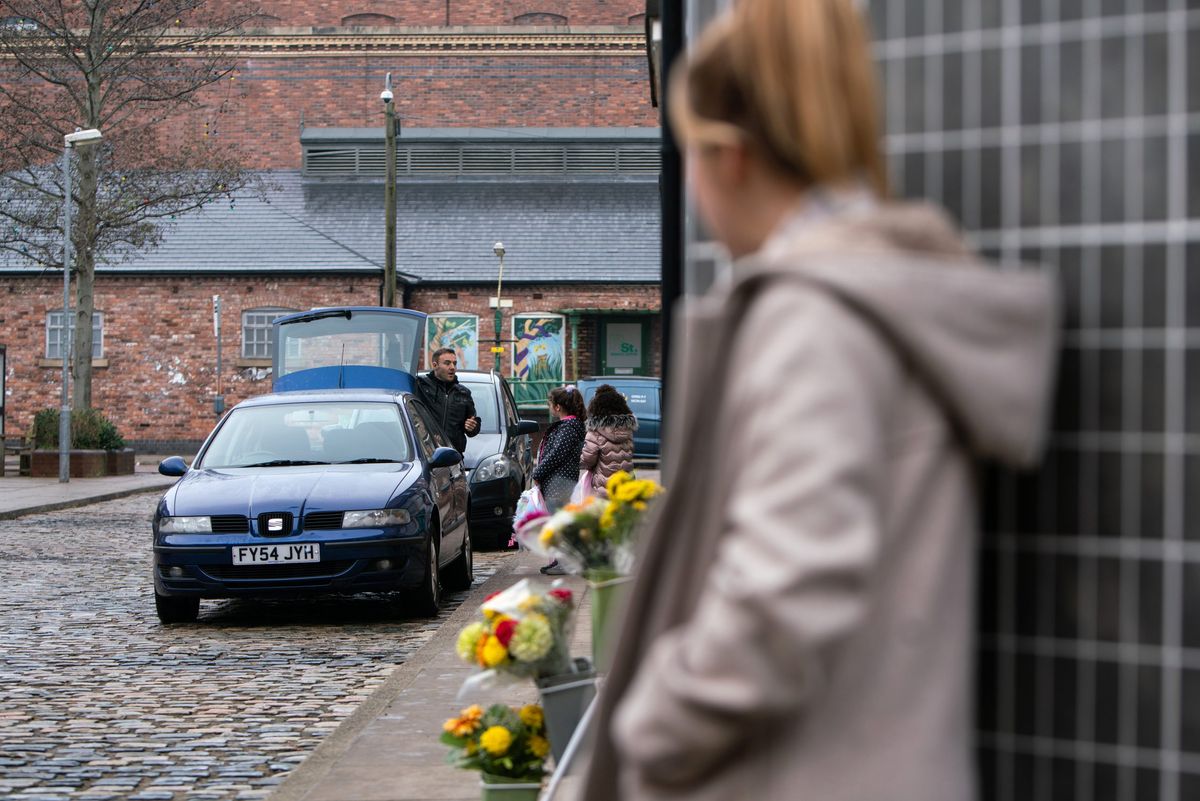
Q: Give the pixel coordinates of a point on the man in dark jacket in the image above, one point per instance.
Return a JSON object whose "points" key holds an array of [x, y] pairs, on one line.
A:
{"points": [[450, 401]]}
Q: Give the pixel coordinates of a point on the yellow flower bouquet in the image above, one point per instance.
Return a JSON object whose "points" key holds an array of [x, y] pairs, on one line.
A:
{"points": [[502, 742], [524, 633], [595, 538]]}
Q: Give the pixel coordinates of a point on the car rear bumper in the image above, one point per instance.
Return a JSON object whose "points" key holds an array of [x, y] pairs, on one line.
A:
{"points": [[360, 566]]}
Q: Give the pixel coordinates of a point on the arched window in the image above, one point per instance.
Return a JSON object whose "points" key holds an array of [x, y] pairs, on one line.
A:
{"points": [[263, 21], [539, 18], [637, 19], [368, 20]]}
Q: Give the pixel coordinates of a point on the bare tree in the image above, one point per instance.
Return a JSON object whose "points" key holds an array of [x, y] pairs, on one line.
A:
{"points": [[143, 72]]}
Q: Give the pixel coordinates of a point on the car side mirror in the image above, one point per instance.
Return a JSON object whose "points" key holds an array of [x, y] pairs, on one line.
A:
{"points": [[173, 466], [523, 427], [445, 457]]}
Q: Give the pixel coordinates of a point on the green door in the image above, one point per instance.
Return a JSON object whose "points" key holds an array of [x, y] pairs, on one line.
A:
{"points": [[624, 346]]}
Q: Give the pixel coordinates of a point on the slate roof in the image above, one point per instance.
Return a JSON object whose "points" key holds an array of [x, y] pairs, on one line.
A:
{"points": [[552, 232]]}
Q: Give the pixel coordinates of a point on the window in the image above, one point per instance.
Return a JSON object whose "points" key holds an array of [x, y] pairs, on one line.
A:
{"points": [[367, 20], [539, 18], [54, 334], [258, 335]]}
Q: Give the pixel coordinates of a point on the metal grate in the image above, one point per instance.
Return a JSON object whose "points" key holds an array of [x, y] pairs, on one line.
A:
{"points": [[319, 521], [230, 524], [271, 572], [455, 159]]}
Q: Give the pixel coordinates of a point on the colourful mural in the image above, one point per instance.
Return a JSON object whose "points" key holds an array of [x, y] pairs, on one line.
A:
{"points": [[539, 348], [458, 331]]}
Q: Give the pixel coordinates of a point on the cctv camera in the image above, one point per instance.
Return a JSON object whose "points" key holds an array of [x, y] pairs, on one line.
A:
{"points": [[386, 95]]}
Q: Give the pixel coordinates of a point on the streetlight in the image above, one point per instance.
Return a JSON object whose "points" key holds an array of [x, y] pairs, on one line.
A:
{"points": [[72, 140], [389, 192], [497, 349]]}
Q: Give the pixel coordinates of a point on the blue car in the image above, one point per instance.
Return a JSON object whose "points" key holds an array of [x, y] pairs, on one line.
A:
{"points": [[644, 395], [339, 481]]}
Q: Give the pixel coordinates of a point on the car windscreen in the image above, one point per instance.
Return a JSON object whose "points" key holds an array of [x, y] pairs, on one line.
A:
{"points": [[484, 396], [309, 433]]}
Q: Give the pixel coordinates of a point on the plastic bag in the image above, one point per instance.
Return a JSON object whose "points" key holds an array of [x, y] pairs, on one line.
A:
{"points": [[583, 487]]}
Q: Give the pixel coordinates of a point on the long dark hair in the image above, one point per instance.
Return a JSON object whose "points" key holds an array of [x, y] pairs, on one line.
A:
{"points": [[570, 399]]}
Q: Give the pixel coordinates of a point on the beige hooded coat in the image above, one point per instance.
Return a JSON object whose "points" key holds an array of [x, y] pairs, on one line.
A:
{"points": [[801, 623]]}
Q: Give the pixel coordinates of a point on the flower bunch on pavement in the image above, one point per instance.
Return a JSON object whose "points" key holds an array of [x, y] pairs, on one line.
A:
{"points": [[595, 538], [524, 632], [500, 741]]}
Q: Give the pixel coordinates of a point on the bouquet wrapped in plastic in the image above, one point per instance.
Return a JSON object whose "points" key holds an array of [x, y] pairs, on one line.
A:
{"points": [[525, 633], [594, 538]]}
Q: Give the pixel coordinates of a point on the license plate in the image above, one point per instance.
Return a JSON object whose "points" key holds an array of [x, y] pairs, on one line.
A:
{"points": [[276, 554]]}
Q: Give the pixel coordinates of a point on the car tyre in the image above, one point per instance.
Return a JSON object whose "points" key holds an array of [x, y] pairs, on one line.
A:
{"points": [[460, 575], [176, 610], [427, 598]]}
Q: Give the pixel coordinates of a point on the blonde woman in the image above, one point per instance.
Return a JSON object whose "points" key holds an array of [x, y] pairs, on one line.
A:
{"points": [[800, 627]]}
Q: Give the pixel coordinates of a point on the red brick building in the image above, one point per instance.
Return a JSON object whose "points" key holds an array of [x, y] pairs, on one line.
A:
{"points": [[522, 122]]}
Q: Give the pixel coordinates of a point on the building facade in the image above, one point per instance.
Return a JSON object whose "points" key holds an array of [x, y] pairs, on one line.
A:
{"points": [[523, 123]]}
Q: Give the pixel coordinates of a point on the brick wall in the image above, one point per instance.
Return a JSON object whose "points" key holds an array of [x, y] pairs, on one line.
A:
{"points": [[262, 106], [160, 377], [546, 298], [292, 13]]}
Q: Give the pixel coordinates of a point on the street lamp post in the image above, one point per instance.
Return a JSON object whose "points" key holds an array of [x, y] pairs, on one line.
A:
{"points": [[72, 140], [389, 192], [498, 349]]}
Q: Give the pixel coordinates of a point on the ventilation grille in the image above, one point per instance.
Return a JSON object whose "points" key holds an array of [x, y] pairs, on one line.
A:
{"points": [[459, 159], [274, 572], [317, 521], [230, 524]]}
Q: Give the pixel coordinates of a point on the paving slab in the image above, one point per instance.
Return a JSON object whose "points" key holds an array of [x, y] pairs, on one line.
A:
{"points": [[389, 750]]}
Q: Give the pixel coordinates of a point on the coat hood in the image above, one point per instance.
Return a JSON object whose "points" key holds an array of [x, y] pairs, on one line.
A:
{"points": [[613, 426], [983, 339]]}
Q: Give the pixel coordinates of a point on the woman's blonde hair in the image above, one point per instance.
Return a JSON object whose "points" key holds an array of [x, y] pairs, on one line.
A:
{"points": [[793, 79]]}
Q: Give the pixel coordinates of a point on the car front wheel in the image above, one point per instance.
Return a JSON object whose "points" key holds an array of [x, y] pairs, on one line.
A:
{"points": [[176, 610]]}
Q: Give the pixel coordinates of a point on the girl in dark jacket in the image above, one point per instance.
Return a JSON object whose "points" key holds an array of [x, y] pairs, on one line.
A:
{"points": [[557, 469]]}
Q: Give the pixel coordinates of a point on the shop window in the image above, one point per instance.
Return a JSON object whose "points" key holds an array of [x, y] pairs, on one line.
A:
{"points": [[258, 335], [54, 334]]}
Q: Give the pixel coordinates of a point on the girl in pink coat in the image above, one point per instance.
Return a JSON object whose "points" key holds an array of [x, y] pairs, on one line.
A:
{"points": [[608, 445]]}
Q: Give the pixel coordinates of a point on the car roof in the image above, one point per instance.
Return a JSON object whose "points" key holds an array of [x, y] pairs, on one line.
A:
{"points": [[324, 396], [478, 377], [618, 379]]}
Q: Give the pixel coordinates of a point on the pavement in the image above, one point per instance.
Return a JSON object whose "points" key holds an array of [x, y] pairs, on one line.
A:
{"points": [[387, 749], [22, 495]]}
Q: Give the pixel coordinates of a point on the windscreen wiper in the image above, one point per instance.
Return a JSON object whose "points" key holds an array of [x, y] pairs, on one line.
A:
{"points": [[283, 463], [371, 460]]}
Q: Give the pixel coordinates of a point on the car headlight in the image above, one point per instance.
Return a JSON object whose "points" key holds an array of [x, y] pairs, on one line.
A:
{"points": [[185, 525], [376, 518], [493, 467]]}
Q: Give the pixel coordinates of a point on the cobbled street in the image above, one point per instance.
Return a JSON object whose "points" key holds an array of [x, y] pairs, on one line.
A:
{"points": [[100, 701]]}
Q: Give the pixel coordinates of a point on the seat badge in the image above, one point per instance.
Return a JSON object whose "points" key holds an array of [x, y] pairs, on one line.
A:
{"points": [[274, 524]]}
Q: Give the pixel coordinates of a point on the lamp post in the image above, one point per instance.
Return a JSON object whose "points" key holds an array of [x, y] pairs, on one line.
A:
{"points": [[389, 192], [72, 140], [497, 349]]}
